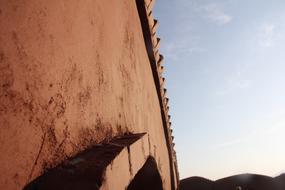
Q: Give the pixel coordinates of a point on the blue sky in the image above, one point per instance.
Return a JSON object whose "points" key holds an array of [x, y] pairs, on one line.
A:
{"points": [[225, 71]]}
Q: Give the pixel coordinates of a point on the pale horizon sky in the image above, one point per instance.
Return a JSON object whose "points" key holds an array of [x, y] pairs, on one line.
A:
{"points": [[225, 75]]}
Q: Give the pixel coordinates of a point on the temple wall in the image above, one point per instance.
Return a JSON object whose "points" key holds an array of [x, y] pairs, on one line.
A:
{"points": [[72, 73]]}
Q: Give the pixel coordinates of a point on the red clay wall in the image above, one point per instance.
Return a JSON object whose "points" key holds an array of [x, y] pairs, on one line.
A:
{"points": [[72, 73]]}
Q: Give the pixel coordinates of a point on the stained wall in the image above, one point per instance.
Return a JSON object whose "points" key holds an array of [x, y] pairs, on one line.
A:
{"points": [[72, 73]]}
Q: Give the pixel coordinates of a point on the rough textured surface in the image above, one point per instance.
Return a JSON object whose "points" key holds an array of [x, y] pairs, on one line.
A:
{"points": [[149, 27], [72, 73], [85, 170]]}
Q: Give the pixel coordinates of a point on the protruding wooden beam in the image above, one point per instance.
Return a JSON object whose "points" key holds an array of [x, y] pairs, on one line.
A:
{"points": [[160, 59], [157, 45], [155, 26], [151, 5]]}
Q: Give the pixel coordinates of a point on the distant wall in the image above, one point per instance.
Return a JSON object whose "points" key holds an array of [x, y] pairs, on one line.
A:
{"points": [[72, 73]]}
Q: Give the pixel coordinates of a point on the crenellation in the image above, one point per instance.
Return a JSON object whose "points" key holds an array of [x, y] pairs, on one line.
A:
{"points": [[81, 99]]}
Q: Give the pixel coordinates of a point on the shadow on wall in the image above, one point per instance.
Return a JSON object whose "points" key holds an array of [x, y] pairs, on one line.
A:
{"points": [[85, 170], [148, 177]]}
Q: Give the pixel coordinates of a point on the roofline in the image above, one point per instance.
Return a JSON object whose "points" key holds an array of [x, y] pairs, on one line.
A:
{"points": [[152, 42]]}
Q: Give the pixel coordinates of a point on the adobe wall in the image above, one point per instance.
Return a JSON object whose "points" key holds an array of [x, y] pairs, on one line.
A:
{"points": [[72, 73]]}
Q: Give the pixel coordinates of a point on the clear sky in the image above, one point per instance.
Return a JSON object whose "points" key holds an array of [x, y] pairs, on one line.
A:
{"points": [[225, 75]]}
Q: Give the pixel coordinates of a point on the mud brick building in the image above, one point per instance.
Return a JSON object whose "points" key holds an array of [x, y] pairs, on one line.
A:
{"points": [[82, 98]]}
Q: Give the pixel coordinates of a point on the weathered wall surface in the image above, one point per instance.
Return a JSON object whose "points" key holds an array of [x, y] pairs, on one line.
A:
{"points": [[72, 73]]}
